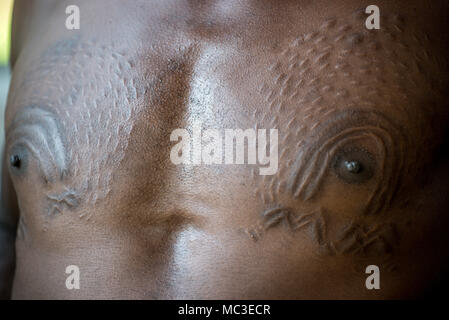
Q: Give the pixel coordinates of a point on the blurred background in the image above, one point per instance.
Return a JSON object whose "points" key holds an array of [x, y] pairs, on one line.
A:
{"points": [[5, 31]]}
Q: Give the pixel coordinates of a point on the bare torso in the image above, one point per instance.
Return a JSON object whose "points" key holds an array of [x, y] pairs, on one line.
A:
{"points": [[91, 111]]}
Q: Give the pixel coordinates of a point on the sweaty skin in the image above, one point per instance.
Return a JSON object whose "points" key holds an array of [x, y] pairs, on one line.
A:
{"points": [[363, 175]]}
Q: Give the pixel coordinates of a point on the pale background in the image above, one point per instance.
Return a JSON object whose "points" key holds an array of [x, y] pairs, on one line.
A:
{"points": [[5, 22]]}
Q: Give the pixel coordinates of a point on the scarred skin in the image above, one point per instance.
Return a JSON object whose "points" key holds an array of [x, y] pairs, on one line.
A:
{"points": [[90, 113]]}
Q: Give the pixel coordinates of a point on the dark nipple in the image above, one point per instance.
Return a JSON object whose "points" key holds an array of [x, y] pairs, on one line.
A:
{"points": [[15, 161]]}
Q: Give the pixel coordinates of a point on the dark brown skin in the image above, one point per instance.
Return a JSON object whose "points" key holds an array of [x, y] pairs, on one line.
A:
{"points": [[96, 187]]}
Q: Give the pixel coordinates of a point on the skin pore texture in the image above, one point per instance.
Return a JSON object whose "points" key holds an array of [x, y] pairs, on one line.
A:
{"points": [[362, 118]]}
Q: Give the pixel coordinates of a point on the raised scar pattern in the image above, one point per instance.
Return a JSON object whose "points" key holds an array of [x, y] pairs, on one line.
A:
{"points": [[314, 157], [357, 238], [308, 74], [67, 199], [95, 89], [84, 68], [37, 129]]}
